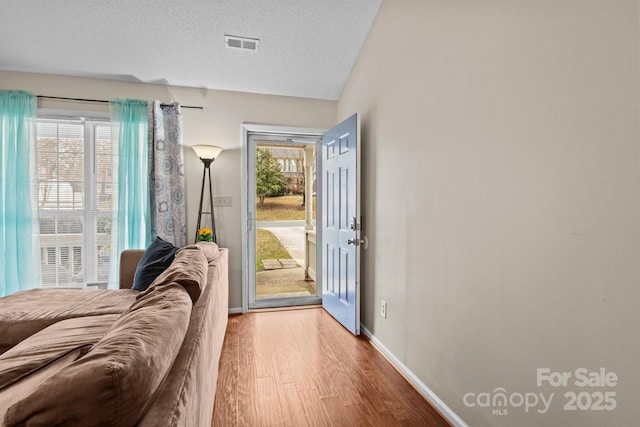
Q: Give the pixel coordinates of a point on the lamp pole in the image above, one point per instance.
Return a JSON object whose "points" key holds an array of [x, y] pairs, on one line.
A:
{"points": [[206, 171], [207, 154]]}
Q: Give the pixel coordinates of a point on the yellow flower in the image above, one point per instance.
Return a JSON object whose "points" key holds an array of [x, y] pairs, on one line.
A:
{"points": [[205, 235]]}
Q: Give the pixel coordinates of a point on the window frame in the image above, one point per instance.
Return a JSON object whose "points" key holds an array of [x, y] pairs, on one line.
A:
{"points": [[90, 211]]}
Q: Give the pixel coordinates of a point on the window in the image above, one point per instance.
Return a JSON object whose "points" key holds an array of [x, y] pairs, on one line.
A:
{"points": [[75, 159], [290, 165]]}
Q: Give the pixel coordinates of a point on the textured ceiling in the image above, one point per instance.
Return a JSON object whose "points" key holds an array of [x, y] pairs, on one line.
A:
{"points": [[307, 47]]}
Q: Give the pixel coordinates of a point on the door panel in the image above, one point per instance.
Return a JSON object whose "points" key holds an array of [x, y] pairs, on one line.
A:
{"points": [[340, 224]]}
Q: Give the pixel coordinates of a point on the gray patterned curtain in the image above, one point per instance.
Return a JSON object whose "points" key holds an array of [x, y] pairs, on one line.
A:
{"points": [[168, 217]]}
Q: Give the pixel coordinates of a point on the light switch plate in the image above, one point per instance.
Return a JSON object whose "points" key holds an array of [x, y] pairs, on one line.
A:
{"points": [[222, 201]]}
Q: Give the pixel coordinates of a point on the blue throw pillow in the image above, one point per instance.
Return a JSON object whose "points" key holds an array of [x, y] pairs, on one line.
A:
{"points": [[158, 256]]}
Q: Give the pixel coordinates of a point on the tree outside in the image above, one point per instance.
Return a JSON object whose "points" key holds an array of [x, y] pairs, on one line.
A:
{"points": [[289, 205], [270, 180]]}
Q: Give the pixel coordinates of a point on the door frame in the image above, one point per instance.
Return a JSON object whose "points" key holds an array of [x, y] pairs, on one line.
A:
{"points": [[248, 166]]}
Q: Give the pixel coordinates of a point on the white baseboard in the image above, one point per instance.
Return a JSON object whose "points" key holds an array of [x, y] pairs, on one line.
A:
{"points": [[429, 395], [235, 310]]}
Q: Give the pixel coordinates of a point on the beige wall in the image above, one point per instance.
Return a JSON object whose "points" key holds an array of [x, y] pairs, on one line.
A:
{"points": [[219, 124], [501, 163]]}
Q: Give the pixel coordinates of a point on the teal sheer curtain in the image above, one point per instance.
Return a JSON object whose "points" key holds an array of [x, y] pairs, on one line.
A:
{"points": [[19, 234], [131, 217]]}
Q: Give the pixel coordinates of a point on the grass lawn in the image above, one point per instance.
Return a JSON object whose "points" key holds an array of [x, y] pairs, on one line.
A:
{"points": [[282, 208], [268, 247]]}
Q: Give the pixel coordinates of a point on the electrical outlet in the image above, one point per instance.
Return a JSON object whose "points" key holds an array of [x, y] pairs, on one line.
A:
{"points": [[222, 201], [383, 309]]}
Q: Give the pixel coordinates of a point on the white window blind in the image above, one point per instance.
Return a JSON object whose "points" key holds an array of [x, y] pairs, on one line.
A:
{"points": [[75, 161]]}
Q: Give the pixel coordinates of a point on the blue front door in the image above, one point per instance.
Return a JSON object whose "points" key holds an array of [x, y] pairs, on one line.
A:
{"points": [[341, 224]]}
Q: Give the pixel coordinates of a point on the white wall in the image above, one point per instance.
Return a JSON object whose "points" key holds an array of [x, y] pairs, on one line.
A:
{"points": [[501, 164], [219, 124]]}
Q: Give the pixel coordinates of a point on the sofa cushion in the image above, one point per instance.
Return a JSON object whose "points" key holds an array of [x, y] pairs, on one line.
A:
{"points": [[23, 388], [116, 380], [189, 269], [210, 250], [24, 313], [158, 256], [51, 343]]}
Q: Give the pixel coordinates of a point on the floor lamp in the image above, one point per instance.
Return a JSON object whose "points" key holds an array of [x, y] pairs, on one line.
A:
{"points": [[207, 154]]}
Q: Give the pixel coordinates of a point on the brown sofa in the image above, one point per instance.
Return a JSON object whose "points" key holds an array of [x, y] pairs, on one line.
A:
{"points": [[117, 357]]}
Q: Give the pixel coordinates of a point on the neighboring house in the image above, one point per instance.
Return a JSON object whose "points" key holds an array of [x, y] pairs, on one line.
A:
{"points": [[291, 161]]}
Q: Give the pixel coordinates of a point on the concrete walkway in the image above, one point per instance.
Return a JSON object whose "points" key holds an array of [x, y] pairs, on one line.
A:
{"points": [[291, 235]]}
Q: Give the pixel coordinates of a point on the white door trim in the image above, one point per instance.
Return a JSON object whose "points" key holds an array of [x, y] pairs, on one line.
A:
{"points": [[247, 129]]}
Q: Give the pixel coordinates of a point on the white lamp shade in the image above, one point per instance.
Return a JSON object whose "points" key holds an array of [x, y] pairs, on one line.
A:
{"points": [[208, 152]]}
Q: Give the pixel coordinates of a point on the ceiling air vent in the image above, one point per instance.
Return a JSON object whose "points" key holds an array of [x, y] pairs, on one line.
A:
{"points": [[244, 43]]}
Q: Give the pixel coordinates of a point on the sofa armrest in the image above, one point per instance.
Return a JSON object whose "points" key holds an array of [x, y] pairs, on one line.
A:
{"points": [[129, 259]]}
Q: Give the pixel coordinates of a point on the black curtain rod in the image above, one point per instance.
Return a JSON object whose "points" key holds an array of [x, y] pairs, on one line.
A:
{"points": [[102, 101]]}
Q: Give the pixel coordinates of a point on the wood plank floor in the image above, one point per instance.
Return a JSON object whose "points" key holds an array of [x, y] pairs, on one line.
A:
{"points": [[301, 368]]}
